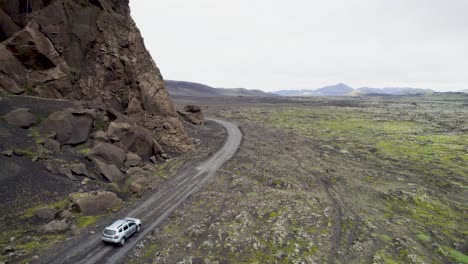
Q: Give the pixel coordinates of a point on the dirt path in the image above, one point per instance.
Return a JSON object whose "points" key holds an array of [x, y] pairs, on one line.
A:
{"points": [[153, 211]]}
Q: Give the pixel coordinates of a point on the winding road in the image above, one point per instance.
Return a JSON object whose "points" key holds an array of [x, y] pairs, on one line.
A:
{"points": [[87, 249]]}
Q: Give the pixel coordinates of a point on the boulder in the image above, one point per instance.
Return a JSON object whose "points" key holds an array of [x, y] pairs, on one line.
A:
{"points": [[94, 203], [46, 213], [117, 130], [108, 154], [66, 171], [72, 126], [8, 152], [56, 226], [100, 136], [52, 144], [139, 180], [80, 169], [132, 160], [133, 138], [21, 117], [192, 114], [109, 171]]}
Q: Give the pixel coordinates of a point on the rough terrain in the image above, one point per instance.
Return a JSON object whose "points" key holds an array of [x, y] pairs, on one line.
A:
{"points": [[344, 180]]}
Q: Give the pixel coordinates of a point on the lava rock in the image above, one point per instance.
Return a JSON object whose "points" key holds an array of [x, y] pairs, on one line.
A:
{"points": [[108, 154], [93, 203], [56, 226], [52, 144], [132, 160], [21, 117], [46, 213], [72, 126], [109, 171]]}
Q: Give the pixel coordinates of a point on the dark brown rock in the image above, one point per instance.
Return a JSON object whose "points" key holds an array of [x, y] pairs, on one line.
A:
{"points": [[94, 203], [21, 117], [133, 138], [52, 144], [56, 226], [86, 50], [108, 154], [81, 169], [46, 213], [132, 160], [192, 114], [71, 126], [109, 171]]}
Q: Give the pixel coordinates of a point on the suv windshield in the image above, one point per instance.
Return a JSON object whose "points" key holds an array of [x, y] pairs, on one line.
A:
{"points": [[109, 232]]}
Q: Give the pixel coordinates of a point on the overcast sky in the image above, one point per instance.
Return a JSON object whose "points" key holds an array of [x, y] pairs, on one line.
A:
{"points": [[306, 44]]}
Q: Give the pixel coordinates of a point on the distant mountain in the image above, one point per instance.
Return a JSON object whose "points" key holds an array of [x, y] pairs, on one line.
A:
{"points": [[463, 91], [182, 88], [342, 89], [334, 90], [393, 91]]}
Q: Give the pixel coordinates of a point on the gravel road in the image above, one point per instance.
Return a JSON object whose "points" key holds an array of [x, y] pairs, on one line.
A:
{"points": [[153, 211]]}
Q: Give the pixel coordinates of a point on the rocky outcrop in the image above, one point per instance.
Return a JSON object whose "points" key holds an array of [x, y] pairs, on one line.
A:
{"points": [[192, 114], [93, 203], [71, 126], [89, 50], [21, 117], [56, 226], [107, 153], [133, 138]]}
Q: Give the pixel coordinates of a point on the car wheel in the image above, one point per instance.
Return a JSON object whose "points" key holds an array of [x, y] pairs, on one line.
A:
{"points": [[138, 228], [122, 241]]}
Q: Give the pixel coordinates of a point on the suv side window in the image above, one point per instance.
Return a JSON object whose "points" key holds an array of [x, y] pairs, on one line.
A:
{"points": [[131, 224], [125, 227], [120, 230]]}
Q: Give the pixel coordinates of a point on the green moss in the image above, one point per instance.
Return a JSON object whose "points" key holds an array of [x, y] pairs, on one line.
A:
{"points": [[457, 256], [59, 205], [150, 251], [39, 245], [27, 152], [101, 125], [83, 150], [83, 221]]}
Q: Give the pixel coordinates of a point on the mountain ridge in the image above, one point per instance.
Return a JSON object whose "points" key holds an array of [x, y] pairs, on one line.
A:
{"points": [[342, 89], [193, 89]]}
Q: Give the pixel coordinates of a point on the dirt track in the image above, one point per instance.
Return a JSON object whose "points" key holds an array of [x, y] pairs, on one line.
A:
{"points": [[153, 211]]}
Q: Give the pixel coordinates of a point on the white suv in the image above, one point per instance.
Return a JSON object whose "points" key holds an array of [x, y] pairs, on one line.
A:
{"points": [[121, 230]]}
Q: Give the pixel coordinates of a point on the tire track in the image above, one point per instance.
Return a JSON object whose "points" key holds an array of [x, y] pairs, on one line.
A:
{"points": [[154, 210]]}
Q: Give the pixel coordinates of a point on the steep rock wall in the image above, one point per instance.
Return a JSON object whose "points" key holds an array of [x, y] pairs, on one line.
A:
{"points": [[88, 50]]}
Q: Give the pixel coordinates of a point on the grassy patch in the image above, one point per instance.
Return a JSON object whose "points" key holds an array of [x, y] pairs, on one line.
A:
{"points": [[457, 256], [27, 152], [83, 221], [59, 205], [83, 150]]}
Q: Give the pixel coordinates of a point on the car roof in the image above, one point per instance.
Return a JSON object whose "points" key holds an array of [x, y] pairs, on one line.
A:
{"points": [[118, 224]]}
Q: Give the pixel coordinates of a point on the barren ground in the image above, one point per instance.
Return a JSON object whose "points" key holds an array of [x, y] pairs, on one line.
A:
{"points": [[354, 180]]}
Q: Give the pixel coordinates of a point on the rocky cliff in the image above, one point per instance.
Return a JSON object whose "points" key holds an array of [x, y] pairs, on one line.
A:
{"points": [[87, 50]]}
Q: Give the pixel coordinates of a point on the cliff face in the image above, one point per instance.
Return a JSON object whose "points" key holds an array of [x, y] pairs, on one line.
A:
{"points": [[88, 50]]}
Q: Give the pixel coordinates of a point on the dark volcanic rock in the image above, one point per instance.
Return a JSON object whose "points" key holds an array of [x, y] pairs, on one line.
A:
{"points": [[51, 144], [46, 213], [192, 114], [109, 171], [56, 226], [133, 138], [108, 154], [94, 202], [90, 51], [21, 117], [71, 126]]}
